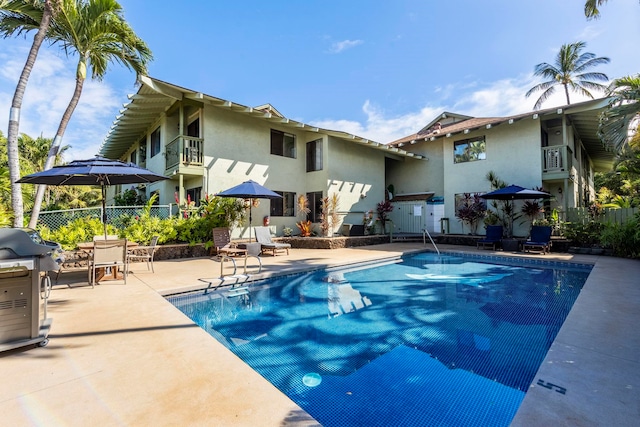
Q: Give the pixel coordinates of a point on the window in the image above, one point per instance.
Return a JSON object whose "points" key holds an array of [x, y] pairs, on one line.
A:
{"points": [[133, 158], [469, 150], [315, 205], [155, 142], [283, 144], [314, 155], [284, 206]]}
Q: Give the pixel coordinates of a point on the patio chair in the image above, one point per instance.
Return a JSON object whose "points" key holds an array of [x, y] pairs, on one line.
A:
{"points": [[109, 254], [144, 253], [263, 236], [492, 237], [539, 239], [222, 243]]}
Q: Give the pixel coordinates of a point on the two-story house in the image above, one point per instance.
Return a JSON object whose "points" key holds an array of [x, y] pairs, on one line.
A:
{"points": [[557, 149], [207, 144]]}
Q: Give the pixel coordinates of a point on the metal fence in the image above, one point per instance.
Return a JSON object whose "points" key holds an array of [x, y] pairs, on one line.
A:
{"points": [[608, 215], [56, 219]]}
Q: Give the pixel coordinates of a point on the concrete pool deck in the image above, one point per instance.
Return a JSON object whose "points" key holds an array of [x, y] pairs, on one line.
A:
{"points": [[122, 355]]}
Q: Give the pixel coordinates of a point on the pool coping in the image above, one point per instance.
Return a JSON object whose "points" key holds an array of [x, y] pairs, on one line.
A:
{"points": [[125, 355]]}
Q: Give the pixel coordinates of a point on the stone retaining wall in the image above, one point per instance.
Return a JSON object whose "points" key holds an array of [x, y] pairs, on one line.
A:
{"points": [[164, 252]]}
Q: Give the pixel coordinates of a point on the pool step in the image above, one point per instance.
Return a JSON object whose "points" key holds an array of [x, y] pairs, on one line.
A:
{"points": [[236, 292]]}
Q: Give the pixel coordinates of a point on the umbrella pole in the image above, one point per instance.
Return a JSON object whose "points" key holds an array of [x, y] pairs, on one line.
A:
{"points": [[250, 206], [104, 210]]}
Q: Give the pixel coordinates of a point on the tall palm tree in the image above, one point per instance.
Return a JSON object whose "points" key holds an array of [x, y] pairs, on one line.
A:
{"points": [[97, 32], [570, 71], [624, 109], [9, 12]]}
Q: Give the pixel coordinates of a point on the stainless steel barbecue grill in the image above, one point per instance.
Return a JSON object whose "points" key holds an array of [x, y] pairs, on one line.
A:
{"points": [[25, 262]]}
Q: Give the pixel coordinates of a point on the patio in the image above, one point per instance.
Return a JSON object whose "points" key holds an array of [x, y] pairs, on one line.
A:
{"points": [[122, 355]]}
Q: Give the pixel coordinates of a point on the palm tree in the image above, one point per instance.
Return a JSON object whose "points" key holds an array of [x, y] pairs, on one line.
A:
{"points": [[9, 12], [570, 71], [591, 8], [97, 32], [623, 109]]}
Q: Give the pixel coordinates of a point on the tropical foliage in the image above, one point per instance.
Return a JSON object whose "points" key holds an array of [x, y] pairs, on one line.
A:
{"points": [[470, 210], [9, 11], [571, 71], [621, 186], [93, 30], [383, 209], [213, 212], [623, 112]]}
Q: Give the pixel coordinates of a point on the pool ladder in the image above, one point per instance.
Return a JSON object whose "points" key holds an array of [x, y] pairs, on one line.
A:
{"points": [[425, 233], [245, 277]]}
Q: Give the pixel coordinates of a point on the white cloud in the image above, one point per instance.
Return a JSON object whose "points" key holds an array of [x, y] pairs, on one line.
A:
{"points": [[49, 90], [379, 127], [343, 45], [496, 99]]}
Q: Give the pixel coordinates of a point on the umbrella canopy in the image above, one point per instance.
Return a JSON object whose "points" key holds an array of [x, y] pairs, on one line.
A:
{"points": [[249, 190], [514, 192], [97, 171]]}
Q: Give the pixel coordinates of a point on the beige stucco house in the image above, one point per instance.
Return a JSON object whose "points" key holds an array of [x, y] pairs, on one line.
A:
{"points": [[557, 149], [207, 144]]}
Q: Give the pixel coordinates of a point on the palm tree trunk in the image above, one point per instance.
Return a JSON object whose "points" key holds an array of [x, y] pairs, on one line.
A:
{"points": [[14, 117], [566, 92], [55, 146]]}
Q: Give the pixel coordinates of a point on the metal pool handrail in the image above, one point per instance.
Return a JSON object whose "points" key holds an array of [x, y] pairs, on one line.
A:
{"points": [[425, 233]]}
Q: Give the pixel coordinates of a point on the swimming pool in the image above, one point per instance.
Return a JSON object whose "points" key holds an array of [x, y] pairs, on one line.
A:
{"points": [[426, 340]]}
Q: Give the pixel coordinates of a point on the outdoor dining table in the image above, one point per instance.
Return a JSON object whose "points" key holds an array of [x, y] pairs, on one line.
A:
{"points": [[101, 271]]}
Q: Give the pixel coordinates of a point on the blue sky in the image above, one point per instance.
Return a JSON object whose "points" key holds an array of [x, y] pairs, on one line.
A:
{"points": [[379, 69]]}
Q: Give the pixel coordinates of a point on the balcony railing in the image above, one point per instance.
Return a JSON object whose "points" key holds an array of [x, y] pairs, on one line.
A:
{"points": [[554, 159], [185, 151]]}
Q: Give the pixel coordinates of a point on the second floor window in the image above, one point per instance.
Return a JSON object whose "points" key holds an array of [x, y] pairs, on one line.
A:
{"points": [[314, 155], [469, 150], [133, 158], [283, 144], [155, 142], [284, 206]]}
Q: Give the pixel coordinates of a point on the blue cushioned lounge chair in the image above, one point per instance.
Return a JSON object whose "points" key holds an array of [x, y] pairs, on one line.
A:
{"points": [[492, 238], [540, 239]]}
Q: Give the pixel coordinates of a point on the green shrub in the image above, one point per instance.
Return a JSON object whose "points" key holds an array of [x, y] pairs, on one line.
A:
{"points": [[623, 239], [213, 212], [584, 235]]}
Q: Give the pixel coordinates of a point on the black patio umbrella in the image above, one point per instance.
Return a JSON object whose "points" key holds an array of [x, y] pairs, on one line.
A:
{"points": [[249, 190], [97, 171], [515, 192]]}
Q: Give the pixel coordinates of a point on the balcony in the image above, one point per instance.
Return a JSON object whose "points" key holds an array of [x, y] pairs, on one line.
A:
{"points": [[185, 155], [556, 162]]}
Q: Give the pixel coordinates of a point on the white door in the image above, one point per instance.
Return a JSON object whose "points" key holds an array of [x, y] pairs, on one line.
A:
{"points": [[409, 217]]}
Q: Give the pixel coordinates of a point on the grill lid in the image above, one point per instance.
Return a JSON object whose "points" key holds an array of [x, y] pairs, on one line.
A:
{"points": [[23, 242]]}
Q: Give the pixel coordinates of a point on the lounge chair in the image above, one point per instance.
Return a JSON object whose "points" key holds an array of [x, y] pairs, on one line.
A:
{"points": [[539, 239], [492, 237], [222, 243], [263, 236]]}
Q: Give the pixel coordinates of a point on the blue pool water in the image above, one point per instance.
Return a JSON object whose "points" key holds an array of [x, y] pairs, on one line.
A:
{"points": [[430, 340]]}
